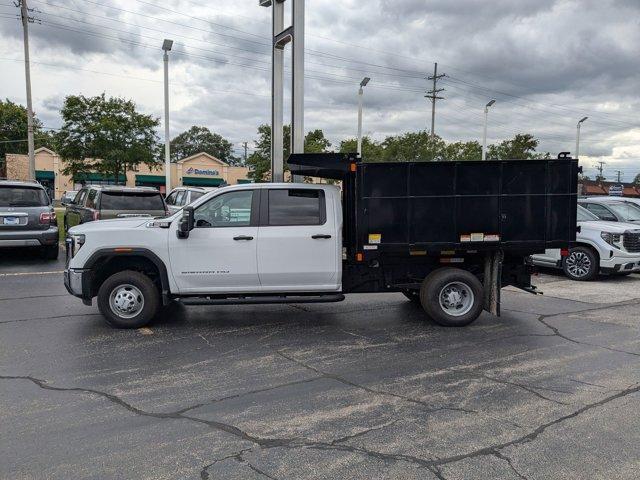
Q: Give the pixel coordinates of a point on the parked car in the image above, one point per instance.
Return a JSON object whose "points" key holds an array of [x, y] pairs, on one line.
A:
{"points": [[68, 197], [601, 247], [633, 200], [102, 202], [181, 196], [27, 218], [612, 209]]}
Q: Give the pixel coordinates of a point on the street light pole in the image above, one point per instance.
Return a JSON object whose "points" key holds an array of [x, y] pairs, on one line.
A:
{"points": [[363, 83], [484, 136], [578, 136], [166, 46]]}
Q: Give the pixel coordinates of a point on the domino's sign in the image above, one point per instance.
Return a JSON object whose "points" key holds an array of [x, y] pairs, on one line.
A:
{"points": [[616, 190], [197, 171]]}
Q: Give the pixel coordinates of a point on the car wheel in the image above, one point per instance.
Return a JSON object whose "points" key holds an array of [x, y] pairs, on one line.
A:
{"points": [[452, 297], [50, 252], [128, 299], [581, 264]]}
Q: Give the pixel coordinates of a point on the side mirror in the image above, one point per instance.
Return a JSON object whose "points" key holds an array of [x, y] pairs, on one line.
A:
{"points": [[186, 223]]}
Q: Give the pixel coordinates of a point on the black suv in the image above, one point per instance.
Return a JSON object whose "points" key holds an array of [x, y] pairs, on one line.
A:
{"points": [[27, 218], [102, 202]]}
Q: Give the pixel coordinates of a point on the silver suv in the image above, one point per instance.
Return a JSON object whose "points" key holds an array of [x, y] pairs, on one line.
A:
{"points": [[27, 218], [181, 196]]}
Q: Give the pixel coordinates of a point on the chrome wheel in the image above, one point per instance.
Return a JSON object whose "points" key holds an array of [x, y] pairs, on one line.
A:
{"points": [[126, 301], [456, 298], [578, 264]]}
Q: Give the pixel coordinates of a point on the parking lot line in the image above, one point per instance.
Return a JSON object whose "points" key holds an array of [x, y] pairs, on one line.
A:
{"points": [[15, 274]]}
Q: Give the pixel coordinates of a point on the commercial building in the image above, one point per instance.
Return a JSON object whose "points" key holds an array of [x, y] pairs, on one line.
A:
{"points": [[602, 187], [200, 169]]}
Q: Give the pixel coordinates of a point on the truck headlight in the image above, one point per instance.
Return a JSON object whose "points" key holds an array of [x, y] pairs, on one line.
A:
{"points": [[77, 241], [613, 239]]}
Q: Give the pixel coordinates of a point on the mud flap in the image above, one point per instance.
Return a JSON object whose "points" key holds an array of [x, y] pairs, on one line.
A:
{"points": [[493, 281]]}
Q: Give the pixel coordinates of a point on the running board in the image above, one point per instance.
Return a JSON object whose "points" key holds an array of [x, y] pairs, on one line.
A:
{"points": [[334, 297]]}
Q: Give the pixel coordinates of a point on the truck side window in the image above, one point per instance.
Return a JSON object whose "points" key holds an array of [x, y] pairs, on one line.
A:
{"points": [[231, 209], [296, 207], [171, 199], [180, 198], [80, 198]]}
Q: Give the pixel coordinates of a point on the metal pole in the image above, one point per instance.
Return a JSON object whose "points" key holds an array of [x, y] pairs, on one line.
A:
{"points": [[24, 13], [433, 103], [167, 139], [297, 124], [484, 136], [277, 95], [578, 140], [360, 122]]}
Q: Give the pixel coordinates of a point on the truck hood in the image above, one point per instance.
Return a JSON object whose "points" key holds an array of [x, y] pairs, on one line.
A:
{"points": [[114, 224], [613, 227]]}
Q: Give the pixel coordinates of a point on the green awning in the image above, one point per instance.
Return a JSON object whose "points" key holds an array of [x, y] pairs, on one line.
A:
{"points": [[243, 180], [99, 177], [151, 179], [202, 182], [45, 175]]}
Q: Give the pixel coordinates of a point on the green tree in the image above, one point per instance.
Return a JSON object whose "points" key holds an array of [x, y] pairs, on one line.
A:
{"points": [[413, 147], [201, 139], [521, 147], [13, 130], [259, 162], [316, 142], [372, 151], [106, 135], [636, 180], [463, 151]]}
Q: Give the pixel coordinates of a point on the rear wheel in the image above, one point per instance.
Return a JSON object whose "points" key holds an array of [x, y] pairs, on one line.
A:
{"points": [[128, 299], [50, 252], [452, 297], [581, 264]]}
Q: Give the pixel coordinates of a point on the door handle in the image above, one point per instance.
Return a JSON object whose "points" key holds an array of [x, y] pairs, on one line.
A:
{"points": [[243, 237], [320, 235]]}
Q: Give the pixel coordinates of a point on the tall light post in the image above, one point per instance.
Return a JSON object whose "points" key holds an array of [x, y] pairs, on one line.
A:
{"points": [[578, 136], [166, 46], [363, 83], [484, 136], [24, 13]]}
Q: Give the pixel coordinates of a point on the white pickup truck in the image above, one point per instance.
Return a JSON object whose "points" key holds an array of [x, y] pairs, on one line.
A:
{"points": [[297, 243]]}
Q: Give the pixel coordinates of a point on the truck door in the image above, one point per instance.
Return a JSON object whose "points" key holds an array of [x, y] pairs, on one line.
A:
{"points": [[220, 253], [298, 241]]}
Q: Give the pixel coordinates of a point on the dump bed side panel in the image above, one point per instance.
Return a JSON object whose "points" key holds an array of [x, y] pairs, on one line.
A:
{"points": [[526, 205]]}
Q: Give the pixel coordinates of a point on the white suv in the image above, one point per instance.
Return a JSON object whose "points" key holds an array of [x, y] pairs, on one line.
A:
{"points": [[601, 247]]}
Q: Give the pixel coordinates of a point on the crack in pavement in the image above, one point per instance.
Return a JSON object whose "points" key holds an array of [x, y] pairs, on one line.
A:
{"points": [[502, 456], [526, 388], [265, 442], [204, 474], [430, 408]]}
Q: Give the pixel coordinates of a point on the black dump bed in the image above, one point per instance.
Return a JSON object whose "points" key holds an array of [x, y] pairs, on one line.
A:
{"points": [[515, 205]]}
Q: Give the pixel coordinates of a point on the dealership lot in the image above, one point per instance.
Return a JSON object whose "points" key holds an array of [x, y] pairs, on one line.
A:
{"points": [[360, 389]]}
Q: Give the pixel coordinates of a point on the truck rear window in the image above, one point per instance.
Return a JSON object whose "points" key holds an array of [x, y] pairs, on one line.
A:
{"points": [[23, 197], [131, 201], [296, 207]]}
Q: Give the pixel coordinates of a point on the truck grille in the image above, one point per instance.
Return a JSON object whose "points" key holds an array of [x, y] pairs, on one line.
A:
{"points": [[631, 241]]}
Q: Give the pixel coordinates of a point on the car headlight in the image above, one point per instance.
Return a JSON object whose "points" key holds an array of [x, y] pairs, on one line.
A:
{"points": [[77, 241], [613, 239]]}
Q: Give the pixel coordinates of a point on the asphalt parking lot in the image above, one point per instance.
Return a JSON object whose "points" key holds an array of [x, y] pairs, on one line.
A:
{"points": [[363, 389]]}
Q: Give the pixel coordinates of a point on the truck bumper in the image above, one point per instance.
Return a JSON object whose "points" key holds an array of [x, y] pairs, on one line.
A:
{"points": [[78, 283], [621, 262], [29, 238]]}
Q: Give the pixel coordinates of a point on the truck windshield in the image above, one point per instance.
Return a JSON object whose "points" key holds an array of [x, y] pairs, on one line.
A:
{"points": [[23, 197], [628, 211], [131, 201]]}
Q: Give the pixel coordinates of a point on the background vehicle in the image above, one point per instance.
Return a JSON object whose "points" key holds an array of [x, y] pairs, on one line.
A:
{"points": [[601, 247], [612, 209], [27, 218], [181, 196], [68, 197], [448, 235], [98, 202]]}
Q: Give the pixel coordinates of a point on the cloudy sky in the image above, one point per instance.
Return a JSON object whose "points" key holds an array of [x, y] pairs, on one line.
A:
{"points": [[548, 63]]}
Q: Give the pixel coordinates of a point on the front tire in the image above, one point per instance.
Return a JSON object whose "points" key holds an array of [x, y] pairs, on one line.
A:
{"points": [[128, 299], [581, 264], [452, 297]]}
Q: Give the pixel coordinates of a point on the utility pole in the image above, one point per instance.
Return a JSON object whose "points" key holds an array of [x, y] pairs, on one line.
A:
{"points": [[245, 152], [619, 176], [26, 19], [433, 95], [600, 168]]}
